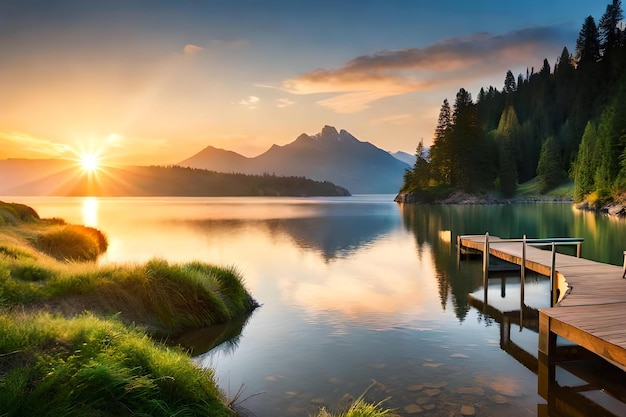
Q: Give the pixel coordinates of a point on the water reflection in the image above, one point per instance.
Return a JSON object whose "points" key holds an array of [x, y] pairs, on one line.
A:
{"points": [[352, 290], [90, 211]]}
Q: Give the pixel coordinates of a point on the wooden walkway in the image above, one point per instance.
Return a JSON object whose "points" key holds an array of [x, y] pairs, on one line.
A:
{"points": [[591, 309]]}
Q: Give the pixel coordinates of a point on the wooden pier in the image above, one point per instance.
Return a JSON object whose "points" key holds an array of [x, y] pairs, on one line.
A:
{"points": [[588, 298]]}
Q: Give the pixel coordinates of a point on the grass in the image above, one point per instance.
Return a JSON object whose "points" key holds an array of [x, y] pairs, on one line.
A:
{"points": [[72, 242], [360, 408], [88, 366], [78, 339], [531, 189]]}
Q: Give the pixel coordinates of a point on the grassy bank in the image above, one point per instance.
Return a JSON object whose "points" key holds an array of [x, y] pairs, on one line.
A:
{"points": [[75, 337], [532, 190], [88, 366]]}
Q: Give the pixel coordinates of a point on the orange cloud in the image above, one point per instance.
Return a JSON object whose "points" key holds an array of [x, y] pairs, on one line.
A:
{"points": [[22, 145], [388, 73], [191, 49], [250, 102]]}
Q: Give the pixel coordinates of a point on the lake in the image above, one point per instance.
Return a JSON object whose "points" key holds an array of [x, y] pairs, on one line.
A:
{"points": [[357, 293]]}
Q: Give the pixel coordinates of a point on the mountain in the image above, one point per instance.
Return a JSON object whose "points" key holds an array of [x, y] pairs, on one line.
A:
{"points": [[65, 178], [219, 160], [404, 157], [330, 155]]}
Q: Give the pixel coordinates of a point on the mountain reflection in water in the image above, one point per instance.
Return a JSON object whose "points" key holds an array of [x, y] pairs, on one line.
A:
{"points": [[353, 290]]}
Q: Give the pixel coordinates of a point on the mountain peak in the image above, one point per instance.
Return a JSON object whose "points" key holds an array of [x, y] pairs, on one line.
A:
{"points": [[346, 136], [303, 138], [329, 155], [328, 133]]}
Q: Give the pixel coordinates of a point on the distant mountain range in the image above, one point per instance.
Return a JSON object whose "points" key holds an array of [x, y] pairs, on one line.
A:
{"points": [[64, 178], [404, 157], [330, 155]]}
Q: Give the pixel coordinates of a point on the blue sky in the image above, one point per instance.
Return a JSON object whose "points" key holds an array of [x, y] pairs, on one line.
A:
{"points": [[155, 81]]}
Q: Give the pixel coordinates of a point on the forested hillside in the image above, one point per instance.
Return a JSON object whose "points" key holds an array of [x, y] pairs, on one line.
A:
{"points": [[64, 178], [553, 124]]}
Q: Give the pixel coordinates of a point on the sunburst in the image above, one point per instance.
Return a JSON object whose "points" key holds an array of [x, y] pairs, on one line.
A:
{"points": [[89, 162]]}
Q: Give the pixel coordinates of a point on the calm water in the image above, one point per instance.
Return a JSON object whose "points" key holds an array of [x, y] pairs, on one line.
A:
{"points": [[356, 292]]}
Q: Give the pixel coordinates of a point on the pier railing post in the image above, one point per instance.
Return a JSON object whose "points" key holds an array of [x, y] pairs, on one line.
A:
{"points": [[486, 255], [579, 246], [624, 269], [553, 284], [523, 272], [486, 266], [458, 251]]}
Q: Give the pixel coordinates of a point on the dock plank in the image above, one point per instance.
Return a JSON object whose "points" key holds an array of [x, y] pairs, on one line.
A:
{"points": [[592, 312]]}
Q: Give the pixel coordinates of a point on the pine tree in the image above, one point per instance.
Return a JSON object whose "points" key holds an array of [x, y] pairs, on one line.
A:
{"points": [[608, 27], [584, 167], [549, 170], [440, 151], [588, 43], [421, 169], [509, 83], [506, 134]]}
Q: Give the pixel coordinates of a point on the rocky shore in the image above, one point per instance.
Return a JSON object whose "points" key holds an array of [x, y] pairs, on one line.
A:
{"points": [[614, 209], [460, 197]]}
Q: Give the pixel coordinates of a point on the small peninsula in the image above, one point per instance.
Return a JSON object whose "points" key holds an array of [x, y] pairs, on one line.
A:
{"points": [[82, 339]]}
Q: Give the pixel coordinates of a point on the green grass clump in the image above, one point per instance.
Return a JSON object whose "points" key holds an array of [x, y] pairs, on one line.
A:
{"points": [[72, 242], [169, 298], [165, 298], [13, 213], [87, 366], [360, 408]]}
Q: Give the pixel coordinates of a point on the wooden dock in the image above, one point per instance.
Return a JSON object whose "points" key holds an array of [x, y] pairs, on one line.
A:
{"points": [[589, 307]]}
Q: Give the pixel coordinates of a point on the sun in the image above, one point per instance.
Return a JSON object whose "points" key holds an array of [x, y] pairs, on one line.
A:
{"points": [[89, 162]]}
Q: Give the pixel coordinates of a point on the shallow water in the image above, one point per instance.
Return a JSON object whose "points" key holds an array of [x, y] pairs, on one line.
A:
{"points": [[356, 292]]}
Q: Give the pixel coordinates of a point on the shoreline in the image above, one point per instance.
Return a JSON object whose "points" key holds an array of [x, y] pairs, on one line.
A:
{"points": [[462, 198], [617, 210]]}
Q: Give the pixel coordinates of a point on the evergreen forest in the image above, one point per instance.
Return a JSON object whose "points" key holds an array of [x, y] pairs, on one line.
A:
{"points": [[566, 123]]}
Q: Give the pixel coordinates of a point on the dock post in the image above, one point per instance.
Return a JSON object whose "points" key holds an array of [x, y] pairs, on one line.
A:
{"points": [[579, 246], [553, 284], [523, 271], [486, 256], [624, 274], [458, 251], [486, 266]]}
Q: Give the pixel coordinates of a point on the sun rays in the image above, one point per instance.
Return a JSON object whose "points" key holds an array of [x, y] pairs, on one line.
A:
{"points": [[89, 162]]}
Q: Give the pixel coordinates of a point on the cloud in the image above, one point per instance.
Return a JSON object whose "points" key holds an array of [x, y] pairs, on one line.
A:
{"points": [[112, 149], [191, 49], [23, 145], [388, 73], [284, 102], [250, 102]]}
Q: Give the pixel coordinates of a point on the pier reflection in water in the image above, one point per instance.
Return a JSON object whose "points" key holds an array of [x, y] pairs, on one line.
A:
{"points": [[575, 382], [355, 289]]}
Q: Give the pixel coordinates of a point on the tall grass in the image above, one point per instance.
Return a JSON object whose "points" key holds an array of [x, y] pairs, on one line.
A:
{"points": [[74, 364], [163, 297], [13, 213], [93, 367], [360, 408], [169, 298], [72, 242]]}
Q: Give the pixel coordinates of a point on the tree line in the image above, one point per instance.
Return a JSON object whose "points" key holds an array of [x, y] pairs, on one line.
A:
{"points": [[552, 124]]}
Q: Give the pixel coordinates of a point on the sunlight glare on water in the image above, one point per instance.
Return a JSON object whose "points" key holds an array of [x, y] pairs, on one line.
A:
{"points": [[353, 290]]}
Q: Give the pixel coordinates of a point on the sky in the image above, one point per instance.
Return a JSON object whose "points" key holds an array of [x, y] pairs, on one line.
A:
{"points": [[156, 81]]}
